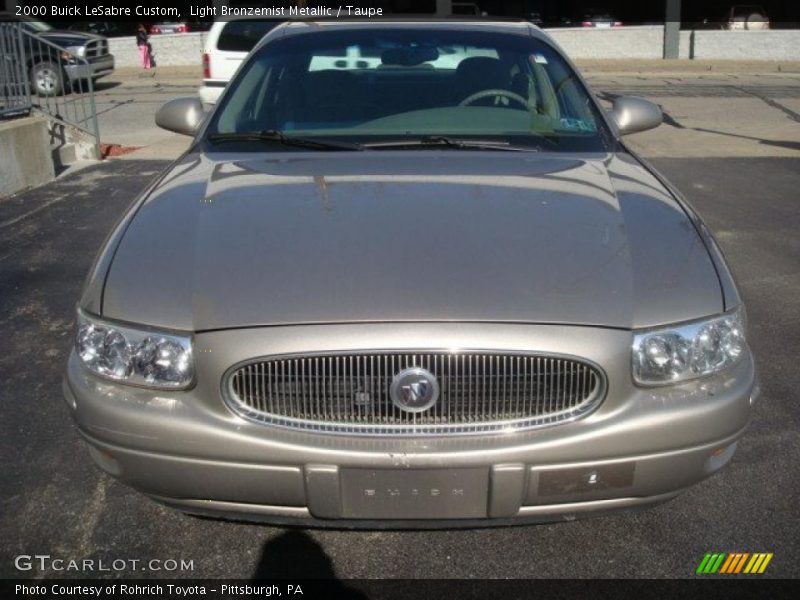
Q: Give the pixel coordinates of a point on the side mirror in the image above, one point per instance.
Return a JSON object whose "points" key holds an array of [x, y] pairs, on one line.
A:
{"points": [[182, 115], [632, 114]]}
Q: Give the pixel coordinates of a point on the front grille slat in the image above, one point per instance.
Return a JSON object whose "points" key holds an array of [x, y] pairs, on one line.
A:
{"points": [[96, 48], [479, 392]]}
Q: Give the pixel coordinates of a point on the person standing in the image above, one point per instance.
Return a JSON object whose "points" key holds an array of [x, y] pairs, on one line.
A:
{"points": [[144, 46]]}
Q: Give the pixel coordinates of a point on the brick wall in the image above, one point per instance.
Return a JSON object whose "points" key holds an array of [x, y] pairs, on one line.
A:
{"points": [[623, 42], [178, 49], [185, 49], [747, 45]]}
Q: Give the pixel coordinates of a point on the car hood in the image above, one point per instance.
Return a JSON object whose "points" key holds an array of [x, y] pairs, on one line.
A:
{"points": [[66, 38], [236, 240]]}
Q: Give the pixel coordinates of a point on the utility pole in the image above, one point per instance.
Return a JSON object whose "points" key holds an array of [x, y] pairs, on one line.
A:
{"points": [[672, 29]]}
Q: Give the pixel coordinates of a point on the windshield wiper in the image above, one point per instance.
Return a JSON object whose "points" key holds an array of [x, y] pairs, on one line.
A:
{"points": [[433, 141], [441, 141], [272, 135]]}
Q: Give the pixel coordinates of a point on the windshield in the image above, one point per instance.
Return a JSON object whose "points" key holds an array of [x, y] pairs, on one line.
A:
{"points": [[36, 26], [374, 85]]}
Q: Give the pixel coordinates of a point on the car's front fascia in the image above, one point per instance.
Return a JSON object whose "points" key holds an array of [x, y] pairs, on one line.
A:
{"points": [[194, 448], [189, 449]]}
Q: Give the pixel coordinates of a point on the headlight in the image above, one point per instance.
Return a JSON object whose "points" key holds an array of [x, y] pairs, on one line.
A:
{"points": [[77, 50], [135, 356], [675, 354]]}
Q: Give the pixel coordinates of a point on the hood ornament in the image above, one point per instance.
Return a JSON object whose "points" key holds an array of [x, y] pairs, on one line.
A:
{"points": [[414, 390]]}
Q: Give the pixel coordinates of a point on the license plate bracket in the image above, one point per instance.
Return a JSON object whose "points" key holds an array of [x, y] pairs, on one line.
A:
{"points": [[414, 493]]}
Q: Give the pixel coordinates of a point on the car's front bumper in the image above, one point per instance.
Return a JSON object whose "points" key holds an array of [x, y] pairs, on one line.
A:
{"points": [[188, 450], [94, 69]]}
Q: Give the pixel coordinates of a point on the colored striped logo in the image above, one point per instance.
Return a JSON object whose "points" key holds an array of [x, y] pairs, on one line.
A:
{"points": [[734, 562]]}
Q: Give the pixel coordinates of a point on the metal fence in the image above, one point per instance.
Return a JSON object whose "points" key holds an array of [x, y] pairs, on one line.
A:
{"points": [[37, 75], [15, 97]]}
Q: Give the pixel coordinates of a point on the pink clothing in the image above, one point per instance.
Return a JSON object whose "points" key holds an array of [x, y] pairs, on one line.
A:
{"points": [[144, 55]]}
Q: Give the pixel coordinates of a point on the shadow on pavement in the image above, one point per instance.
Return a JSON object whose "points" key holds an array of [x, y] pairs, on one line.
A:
{"points": [[296, 555], [102, 86], [778, 144]]}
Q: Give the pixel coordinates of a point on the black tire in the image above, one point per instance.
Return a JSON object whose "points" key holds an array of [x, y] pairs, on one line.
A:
{"points": [[47, 79]]}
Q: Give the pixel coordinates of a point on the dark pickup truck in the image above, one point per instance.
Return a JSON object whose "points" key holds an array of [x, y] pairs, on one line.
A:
{"points": [[73, 56]]}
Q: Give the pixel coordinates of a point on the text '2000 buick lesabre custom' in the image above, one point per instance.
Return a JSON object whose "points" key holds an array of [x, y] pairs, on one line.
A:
{"points": [[427, 287]]}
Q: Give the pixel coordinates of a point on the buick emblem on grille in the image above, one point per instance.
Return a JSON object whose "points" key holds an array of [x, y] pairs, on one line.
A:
{"points": [[414, 390]]}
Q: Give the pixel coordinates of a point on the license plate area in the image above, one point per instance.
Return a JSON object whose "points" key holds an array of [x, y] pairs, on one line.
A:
{"points": [[414, 493]]}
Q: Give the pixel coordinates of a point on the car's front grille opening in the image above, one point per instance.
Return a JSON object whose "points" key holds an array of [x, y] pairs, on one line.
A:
{"points": [[478, 392], [96, 48]]}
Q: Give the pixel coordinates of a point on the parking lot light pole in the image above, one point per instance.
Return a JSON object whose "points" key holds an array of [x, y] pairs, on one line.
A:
{"points": [[672, 29]]}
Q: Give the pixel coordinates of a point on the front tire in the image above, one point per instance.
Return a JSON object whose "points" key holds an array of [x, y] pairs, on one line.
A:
{"points": [[47, 79]]}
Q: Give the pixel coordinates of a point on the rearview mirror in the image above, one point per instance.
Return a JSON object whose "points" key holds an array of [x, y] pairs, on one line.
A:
{"points": [[182, 115], [632, 114]]}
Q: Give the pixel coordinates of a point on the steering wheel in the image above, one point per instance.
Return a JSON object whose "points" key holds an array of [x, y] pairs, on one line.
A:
{"points": [[495, 92]]}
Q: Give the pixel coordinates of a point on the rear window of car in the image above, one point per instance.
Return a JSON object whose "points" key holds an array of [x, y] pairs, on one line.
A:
{"points": [[243, 35]]}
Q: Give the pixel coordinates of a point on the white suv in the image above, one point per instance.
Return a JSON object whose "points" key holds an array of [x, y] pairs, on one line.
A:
{"points": [[227, 45]]}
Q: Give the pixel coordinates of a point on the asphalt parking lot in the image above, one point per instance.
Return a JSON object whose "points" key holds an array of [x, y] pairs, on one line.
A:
{"points": [[731, 144]]}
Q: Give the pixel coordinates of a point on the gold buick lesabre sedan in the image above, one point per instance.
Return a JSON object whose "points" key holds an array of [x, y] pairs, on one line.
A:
{"points": [[409, 274]]}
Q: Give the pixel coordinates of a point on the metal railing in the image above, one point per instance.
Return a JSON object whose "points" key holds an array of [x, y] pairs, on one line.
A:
{"points": [[37, 75], [15, 97]]}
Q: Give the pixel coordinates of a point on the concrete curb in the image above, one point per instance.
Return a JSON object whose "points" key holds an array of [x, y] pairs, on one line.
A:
{"points": [[159, 73]]}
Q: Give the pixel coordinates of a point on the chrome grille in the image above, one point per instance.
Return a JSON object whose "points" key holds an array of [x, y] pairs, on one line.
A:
{"points": [[479, 392], [96, 48]]}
